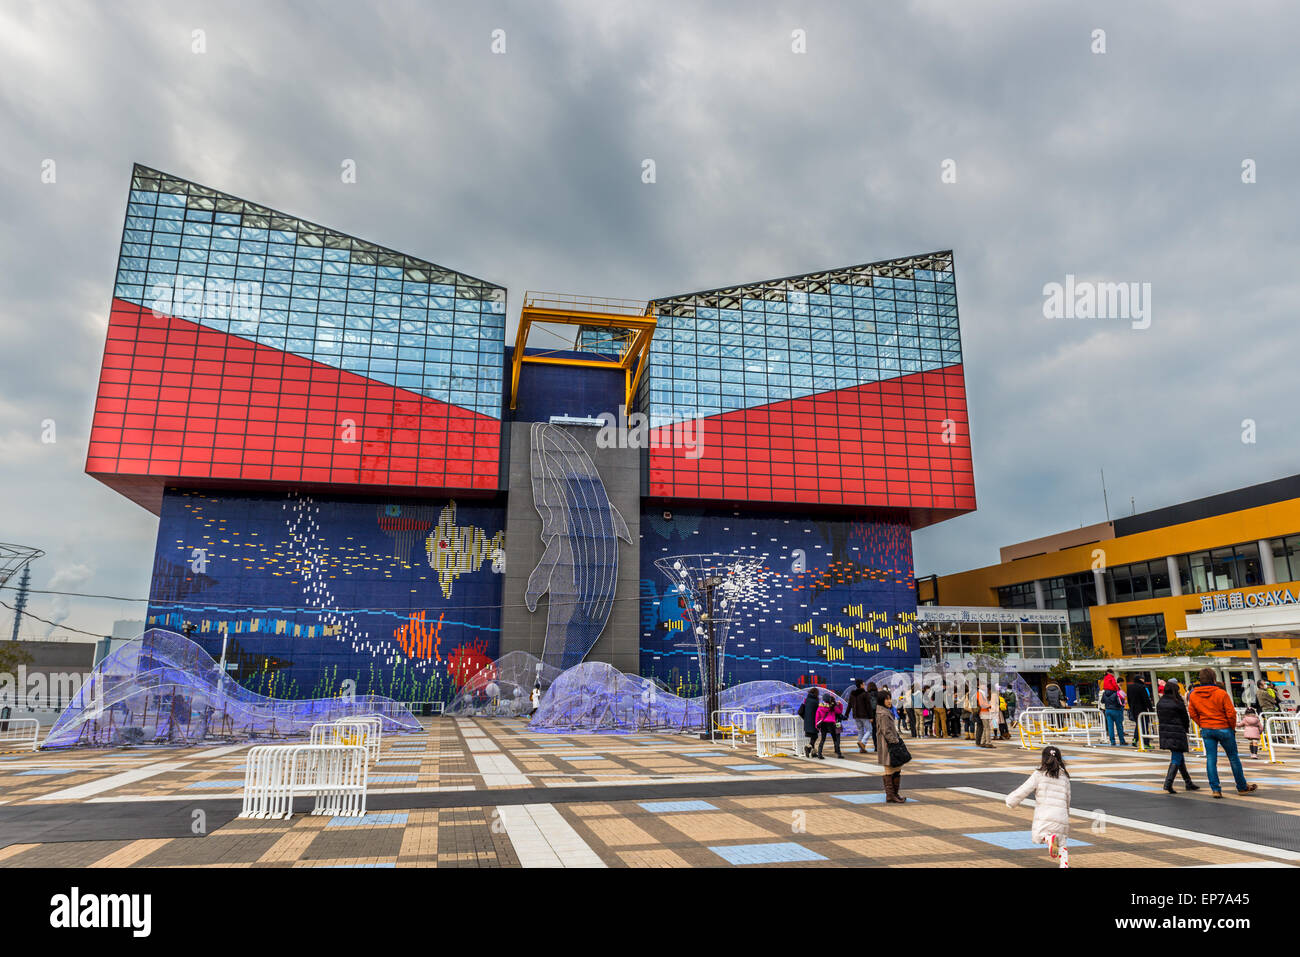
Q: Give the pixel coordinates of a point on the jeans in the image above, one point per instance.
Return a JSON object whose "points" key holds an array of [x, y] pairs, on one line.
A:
{"points": [[864, 732], [911, 720], [1214, 739], [1115, 724]]}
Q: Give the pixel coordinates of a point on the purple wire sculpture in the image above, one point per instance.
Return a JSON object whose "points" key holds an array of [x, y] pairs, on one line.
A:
{"points": [[163, 688]]}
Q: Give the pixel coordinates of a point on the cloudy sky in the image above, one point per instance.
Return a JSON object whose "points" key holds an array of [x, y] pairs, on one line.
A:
{"points": [[524, 167]]}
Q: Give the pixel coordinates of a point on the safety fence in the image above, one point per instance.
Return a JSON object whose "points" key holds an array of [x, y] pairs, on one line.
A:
{"points": [[1281, 733], [1148, 733], [1038, 726], [778, 734], [336, 774], [365, 732], [19, 734], [737, 724]]}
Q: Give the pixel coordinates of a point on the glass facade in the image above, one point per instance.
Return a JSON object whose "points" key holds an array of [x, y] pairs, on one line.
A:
{"points": [[843, 387], [1286, 558], [1142, 634], [1138, 581], [1025, 639], [1234, 566], [245, 343]]}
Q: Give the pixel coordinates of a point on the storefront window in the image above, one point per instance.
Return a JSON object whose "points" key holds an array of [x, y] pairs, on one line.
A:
{"points": [[1142, 634]]}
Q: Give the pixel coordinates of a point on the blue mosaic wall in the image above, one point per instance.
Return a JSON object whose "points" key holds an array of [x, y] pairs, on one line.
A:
{"points": [[402, 597], [837, 599]]}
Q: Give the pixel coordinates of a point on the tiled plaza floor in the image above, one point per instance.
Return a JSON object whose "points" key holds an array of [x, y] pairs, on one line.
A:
{"points": [[742, 811]]}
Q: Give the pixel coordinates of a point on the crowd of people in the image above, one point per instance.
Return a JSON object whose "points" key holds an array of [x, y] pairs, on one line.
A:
{"points": [[985, 713]]}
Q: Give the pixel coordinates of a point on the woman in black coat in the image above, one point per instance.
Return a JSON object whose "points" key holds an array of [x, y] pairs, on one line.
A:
{"points": [[808, 711], [1171, 716]]}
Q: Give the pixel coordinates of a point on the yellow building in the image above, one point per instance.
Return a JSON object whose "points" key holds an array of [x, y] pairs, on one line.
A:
{"points": [[1220, 569]]}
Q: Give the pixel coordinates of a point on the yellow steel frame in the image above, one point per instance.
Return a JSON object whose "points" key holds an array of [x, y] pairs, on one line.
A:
{"points": [[574, 311]]}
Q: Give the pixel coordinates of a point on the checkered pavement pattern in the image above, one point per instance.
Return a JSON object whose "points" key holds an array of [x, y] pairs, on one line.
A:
{"points": [[837, 825]]}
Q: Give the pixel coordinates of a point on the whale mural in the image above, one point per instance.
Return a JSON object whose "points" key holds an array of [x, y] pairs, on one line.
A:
{"points": [[581, 528]]}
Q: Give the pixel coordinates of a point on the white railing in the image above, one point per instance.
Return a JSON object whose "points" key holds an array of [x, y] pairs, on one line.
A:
{"points": [[778, 734], [735, 723], [1281, 733], [19, 734], [365, 732], [1148, 727], [275, 774], [1038, 725]]}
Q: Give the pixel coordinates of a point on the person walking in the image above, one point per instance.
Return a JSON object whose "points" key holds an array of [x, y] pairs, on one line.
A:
{"points": [[1113, 708], [808, 711], [1003, 732], [1139, 701], [887, 734], [1266, 698], [940, 711], [829, 715], [1211, 708], [1252, 727], [1010, 695], [860, 710], [1052, 695], [1171, 716], [1050, 785], [986, 717], [913, 701], [535, 699]]}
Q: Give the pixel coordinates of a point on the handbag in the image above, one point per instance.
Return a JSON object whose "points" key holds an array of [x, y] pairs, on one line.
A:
{"points": [[898, 754]]}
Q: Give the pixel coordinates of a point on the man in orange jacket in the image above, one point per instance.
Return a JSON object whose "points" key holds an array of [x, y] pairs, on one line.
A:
{"points": [[1211, 708]]}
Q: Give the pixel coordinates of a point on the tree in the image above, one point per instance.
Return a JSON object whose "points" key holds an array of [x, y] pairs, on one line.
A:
{"points": [[12, 656], [1177, 647], [1074, 648]]}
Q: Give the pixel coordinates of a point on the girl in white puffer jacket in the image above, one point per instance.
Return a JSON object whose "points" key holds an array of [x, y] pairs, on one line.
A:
{"points": [[1050, 785]]}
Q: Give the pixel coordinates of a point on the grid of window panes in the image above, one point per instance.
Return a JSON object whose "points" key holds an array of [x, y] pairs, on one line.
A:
{"points": [[1017, 596], [1138, 581], [1142, 634], [248, 271], [741, 347], [1286, 558], [1217, 569], [1026, 639]]}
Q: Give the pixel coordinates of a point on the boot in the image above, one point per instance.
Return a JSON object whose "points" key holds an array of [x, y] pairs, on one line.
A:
{"points": [[891, 796], [897, 777], [1187, 779], [1169, 779], [862, 748]]}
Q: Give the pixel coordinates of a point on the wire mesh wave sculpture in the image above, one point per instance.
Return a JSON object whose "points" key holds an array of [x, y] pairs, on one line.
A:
{"points": [[503, 688], [163, 688], [597, 697]]}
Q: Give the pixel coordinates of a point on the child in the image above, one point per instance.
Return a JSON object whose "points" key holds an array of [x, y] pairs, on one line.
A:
{"points": [[1050, 785], [1251, 727], [829, 716]]}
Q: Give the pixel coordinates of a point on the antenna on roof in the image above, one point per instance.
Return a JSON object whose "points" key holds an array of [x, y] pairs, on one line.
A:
{"points": [[1104, 500]]}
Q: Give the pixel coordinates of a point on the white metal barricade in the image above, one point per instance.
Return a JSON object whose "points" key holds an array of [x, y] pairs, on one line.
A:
{"points": [[1148, 730], [778, 734], [365, 731], [335, 773], [19, 734], [735, 723], [1281, 733], [1038, 725]]}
